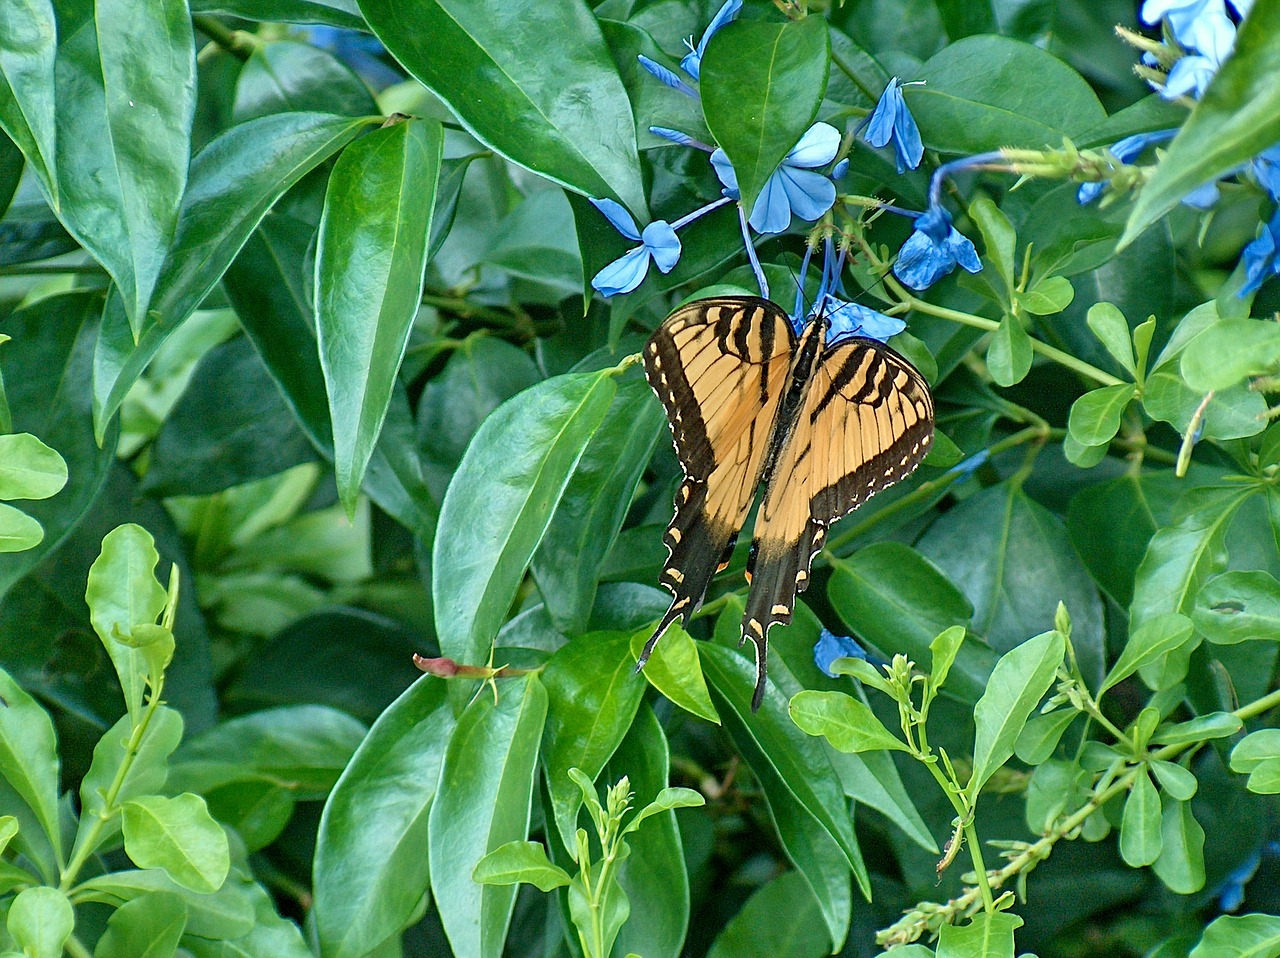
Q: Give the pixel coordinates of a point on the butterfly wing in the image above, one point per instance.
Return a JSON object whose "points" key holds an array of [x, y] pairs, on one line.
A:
{"points": [[719, 366], [865, 421]]}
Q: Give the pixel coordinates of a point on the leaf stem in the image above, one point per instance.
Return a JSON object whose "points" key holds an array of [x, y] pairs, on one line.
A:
{"points": [[76, 948], [240, 45]]}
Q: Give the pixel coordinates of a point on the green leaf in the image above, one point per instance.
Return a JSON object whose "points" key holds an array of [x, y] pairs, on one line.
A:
{"points": [[1202, 728], [500, 502], [271, 936], [1039, 738], [1086, 457], [982, 93], [1153, 640], [285, 75], [29, 755], [944, 648], [18, 531], [146, 775], [486, 784], [149, 926], [780, 918], [122, 592], [369, 872], [1183, 556], [898, 601], [1229, 351], [225, 914], [28, 35], [1237, 118], [302, 748], [847, 723], [371, 253], [233, 182], [675, 670], [534, 83], [1095, 416], [1049, 296], [1257, 751], [517, 862], [1178, 782], [334, 13], [592, 694], [1181, 862], [29, 469], [1018, 682], [595, 504], [41, 920], [1111, 523], [1140, 836], [806, 806], [1009, 355], [761, 84], [1112, 330], [1240, 936], [1237, 606], [179, 835], [1233, 413], [999, 237], [988, 935]]}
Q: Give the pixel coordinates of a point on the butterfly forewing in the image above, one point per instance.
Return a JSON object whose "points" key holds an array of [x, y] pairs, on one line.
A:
{"points": [[720, 367], [865, 422]]}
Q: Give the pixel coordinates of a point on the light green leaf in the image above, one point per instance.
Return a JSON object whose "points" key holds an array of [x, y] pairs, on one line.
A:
{"points": [[1140, 836], [1254, 749], [1240, 936], [987, 935], [1112, 329], [1039, 738], [18, 531], [1051, 295], [845, 722], [1095, 416], [226, 914], [1202, 728], [999, 237], [179, 835], [1009, 355], [28, 37], [41, 920], [149, 926], [28, 468], [1229, 351], [1181, 862], [1178, 782], [1237, 606], [1149, 642], [29, 755], [517, 862], [675, 670]]}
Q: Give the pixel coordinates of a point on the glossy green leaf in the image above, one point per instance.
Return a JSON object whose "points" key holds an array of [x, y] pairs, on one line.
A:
{"points": [[287, 76], [29, 755], [126, 96], [28, 35], [844, 721], [233, 182], [1231, 350], [18, 531], [123, 592], [29, 469], [1039, 738], [1095, 416], [1258, 756], [986, 92], [595, 503], [943, 650], [1202, 728], [1237, 118], [41, 920], [1009, 355], [999, 237], [780, 919], [225, 914], [1140, 835], [302, 748], [1182, 557], [1111, 523], [271, 936], [675, 670], [517, 862], [371, 253], [534, 83], [898, 601], [501, 500], [1049, 296], [483, 802], [1112, 330], [1178, 782], [987, 935], [806, 806], [1018, 682], [592, 693], [146, 927], [334, 13], [1240, 936], [1151, 641], [1233, 413], [180, 836], [1237, 606], [1181, 862], [761, 84]]}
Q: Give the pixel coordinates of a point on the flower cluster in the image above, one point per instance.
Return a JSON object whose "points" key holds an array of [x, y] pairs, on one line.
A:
{"points": [[1205, 33]]}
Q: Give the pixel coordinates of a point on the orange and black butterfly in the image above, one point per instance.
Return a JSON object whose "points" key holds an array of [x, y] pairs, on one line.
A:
{"points": [[824, 427]]}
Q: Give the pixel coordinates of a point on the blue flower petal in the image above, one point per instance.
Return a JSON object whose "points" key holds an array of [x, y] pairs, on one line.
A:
{"points": [[772, 212], [907, 145], [1259, 257], [921, 262], [662, 243], [845, 320], [935, 223], [817, 147], [830, 647], [1242, 6], [841, 169], [1190, 75], [961, 250], [675, 136], [1202, 197], [724, 170], [624, 274], [666, 76], [1089, 192], [617, 214], [892, 122], [810, 194], [692, 63], [1266, 169], [878, 129]]}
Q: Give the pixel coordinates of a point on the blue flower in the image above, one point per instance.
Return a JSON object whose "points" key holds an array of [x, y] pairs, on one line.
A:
{"points": [[830, 647], [933, 250], [666, 75], [692, 63], [1191, 74], [1231, 895], [1201, 25], [1266, 170], [1126, 151], [846, 320], [1259, 257], [794, 187], [658, 244], [892, 122]]}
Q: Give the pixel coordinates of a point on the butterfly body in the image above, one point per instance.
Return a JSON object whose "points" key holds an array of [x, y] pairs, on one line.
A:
{"points": [[823, 426]]}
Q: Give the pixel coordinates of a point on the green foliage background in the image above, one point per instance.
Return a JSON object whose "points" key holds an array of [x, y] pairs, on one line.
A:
{"points": [[349, 377]]}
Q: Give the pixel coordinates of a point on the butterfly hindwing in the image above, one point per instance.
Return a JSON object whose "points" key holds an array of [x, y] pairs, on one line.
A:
{"points": [[865, 421], [719, 367]]}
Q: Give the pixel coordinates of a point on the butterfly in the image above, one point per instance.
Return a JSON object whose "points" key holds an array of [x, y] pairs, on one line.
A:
{"points": [[823, 426]]}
